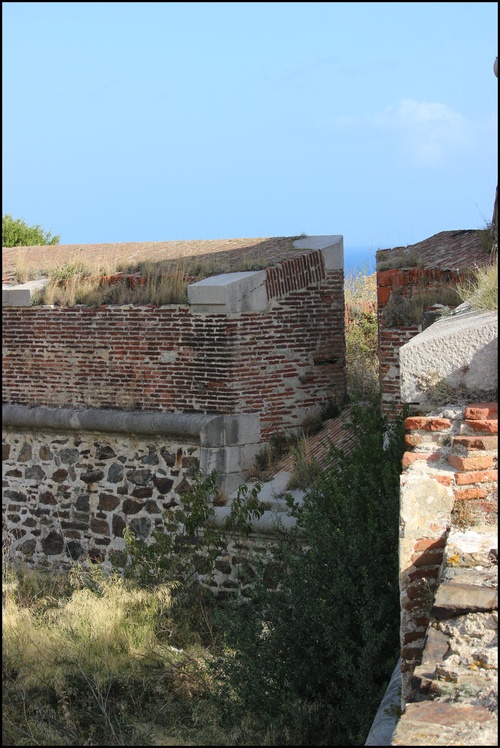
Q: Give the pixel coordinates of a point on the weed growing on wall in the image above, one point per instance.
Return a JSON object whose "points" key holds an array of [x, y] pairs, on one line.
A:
{"points": [[481, 290], [402, 310], [309, 653], [189, 542]]}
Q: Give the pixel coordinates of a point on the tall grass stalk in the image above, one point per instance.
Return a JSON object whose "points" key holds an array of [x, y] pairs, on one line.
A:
{"points": [[481, 291]]}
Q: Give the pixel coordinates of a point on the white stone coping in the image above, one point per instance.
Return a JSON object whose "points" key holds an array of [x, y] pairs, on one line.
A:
{"points": [[228, 443], [331, 246], [231, 293], [21, 294]]}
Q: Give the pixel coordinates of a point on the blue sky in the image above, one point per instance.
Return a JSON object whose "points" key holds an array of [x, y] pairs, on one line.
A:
{"points": [[168, 121]]}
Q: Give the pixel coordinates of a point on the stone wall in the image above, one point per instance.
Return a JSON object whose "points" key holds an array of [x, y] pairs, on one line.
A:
{"points": [[449, 480], [68, 495]]}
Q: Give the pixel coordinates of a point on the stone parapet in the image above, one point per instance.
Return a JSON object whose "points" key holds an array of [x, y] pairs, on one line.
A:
{"points": [[228, 443]]}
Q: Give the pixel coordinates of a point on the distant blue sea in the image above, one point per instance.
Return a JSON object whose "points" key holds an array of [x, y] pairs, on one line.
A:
{"points": [[359, 259]]}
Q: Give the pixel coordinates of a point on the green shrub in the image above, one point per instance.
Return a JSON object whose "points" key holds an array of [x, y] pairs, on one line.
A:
{"points": [[17, 233], [310, 651], [402, 310], [189, 542]]}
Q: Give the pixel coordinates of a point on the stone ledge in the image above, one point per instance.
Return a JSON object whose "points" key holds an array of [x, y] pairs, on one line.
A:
{"points": [[441, 723], [21, 294], [456, 599], [228, 443], [229, 293]]}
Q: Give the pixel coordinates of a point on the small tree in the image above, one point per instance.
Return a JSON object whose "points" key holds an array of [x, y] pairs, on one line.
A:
{"points": [[312, 646], [17, 233]]}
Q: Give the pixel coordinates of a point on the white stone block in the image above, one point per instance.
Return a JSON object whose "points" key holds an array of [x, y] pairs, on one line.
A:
{"points": [[229, 293], [460, 350], [331, 246]]}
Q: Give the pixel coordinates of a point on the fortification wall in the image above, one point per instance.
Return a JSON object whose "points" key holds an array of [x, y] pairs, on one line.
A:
{"points": [[281, 357], [449, 578], [70, 491], [395, 326]]}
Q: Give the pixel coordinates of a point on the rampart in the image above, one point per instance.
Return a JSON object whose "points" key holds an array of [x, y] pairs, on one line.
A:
{"points": [[109, 412], [409, 281]]}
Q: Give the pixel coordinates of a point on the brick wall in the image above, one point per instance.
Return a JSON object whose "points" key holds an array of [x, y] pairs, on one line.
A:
{"points": [[402, 281], [281, 363]]}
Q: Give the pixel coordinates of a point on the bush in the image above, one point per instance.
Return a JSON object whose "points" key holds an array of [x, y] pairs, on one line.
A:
{"points": [[17, 233], [312, 648]]}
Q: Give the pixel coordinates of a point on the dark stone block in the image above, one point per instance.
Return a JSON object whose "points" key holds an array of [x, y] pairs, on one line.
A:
{"points": [[45, 453], [118, 525], [105, 453], [139, 477], [142, 493], [131, 507], [151, 459], [152, 507], [223, 566], [164, 485], [100, 526], [115, 473], [108, 502], [141, 527], [34, 473], [168, 457], [29, 546], [53, 544], [92, 476], [183, 487], [69, 456], [14, 473], [16, 495], [47, 498], [60, 475], [75, 549], [82, 503], [26, 453], [5, 452]]}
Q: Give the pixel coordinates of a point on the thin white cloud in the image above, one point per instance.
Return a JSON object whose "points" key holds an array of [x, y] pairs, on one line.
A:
{"points": [[420, 132], [425, 131]]}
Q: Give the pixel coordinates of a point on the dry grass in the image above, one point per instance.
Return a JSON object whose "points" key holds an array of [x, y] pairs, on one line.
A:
{"points": [[401, 310], [138, 283], [88, 660], [481, 291], [362, 364]]}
